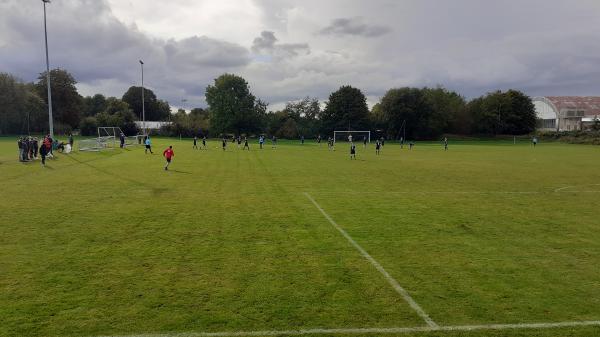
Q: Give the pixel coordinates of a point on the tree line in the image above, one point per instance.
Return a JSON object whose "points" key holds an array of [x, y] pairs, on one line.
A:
{"points": [[24, 106], [413, 113]]}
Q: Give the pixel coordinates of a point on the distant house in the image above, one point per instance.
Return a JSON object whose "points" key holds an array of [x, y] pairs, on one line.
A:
{"points": [[566, 113], [151, 125]]}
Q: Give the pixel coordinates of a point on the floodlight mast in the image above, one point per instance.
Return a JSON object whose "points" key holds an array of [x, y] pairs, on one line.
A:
{"points": [[50, 122], [143, 103]]}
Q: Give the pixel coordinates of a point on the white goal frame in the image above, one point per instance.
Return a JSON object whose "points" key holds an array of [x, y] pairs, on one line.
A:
{"points": [[335, 133]]}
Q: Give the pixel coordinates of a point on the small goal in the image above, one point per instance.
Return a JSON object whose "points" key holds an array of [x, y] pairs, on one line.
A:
{"points": [[109, 137], [96, 144], [352, 136]]}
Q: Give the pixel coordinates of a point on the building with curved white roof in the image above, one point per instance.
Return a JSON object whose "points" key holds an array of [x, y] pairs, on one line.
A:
{"points": [[566, 113]]}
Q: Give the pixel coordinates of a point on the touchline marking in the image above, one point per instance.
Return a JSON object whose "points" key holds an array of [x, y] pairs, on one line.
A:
{"points": [[359, 331], [437, 192], [416, 307]]}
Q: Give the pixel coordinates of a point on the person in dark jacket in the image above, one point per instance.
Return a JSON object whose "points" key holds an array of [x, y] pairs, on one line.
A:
{"points": [[35, 147], [43, 153]]}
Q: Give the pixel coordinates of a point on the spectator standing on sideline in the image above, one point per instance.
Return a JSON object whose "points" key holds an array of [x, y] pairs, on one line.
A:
{"points": [[35, 147]]}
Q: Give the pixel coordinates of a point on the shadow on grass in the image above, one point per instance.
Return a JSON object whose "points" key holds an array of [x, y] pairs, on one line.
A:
{"points": [[108, 173], [180, 172]]}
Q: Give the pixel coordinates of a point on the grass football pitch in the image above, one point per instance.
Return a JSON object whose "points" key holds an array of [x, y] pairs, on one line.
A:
{"points": [[486, 239]]}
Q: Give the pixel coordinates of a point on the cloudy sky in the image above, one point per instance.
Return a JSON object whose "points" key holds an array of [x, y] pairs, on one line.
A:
{"points": [[291, 49]]}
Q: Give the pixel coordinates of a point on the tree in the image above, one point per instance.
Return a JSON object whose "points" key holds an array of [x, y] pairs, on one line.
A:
{"points": [[21, 109], [12, 100], [196, 123], [522, 117], [233, 108], [94, 105], [376, 118], [164, 110], [305, 113], [346, 110], [66, 101], [497, 113], [409, 108], [156, 110], [448, 111], [117, 114], [88, 126]]}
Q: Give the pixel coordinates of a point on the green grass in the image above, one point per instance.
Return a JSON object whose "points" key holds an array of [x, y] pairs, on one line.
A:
{"points": [[110, 244]]}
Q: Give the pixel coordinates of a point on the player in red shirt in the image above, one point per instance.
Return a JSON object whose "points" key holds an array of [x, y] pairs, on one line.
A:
{"points": [[168, 154]]}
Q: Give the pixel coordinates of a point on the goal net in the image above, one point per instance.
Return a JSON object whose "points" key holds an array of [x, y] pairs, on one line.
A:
{"points": [[352, 136], [109, 137], [134, 140], [96, 144]]}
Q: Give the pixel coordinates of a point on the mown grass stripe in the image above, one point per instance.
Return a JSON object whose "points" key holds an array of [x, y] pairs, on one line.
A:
{"points": [[399, 289]]}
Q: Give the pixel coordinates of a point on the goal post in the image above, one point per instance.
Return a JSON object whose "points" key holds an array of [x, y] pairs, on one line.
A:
{"points": [[354, 136]]}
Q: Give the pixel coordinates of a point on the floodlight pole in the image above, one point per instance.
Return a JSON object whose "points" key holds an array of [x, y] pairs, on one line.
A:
{"points": [[50, 122], [143, 102]]}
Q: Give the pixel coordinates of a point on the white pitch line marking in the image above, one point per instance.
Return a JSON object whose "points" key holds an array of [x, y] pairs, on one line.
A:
{"points": [[399, 289], [562, 188], [568, 187], [359, 331], [437, 192]]}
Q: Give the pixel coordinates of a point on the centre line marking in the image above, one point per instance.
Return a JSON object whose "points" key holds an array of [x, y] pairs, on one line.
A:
{"points": [[405, 295]]}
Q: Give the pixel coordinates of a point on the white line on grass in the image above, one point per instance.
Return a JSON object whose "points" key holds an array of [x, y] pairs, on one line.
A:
{"points": [[435, 192], [562, 189], [416, 307], [359, 331]]}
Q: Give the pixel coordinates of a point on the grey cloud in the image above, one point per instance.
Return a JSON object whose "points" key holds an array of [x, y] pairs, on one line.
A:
{"points": [[266, 43], [354, 26], [203, 51], [471, 46], [102, 52]]}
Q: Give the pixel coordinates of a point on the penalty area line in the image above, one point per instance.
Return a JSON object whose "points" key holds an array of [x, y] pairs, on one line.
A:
{"points": [[399, 289], [360, 331]]}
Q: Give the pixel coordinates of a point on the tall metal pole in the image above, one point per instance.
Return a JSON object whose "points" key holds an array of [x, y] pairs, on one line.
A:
{"points": [[143, 102], [50, 122]]}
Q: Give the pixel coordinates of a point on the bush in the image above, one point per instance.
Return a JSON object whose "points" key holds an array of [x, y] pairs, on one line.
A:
{"points": [[88, 126], [572, 137], [62, 129]]}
